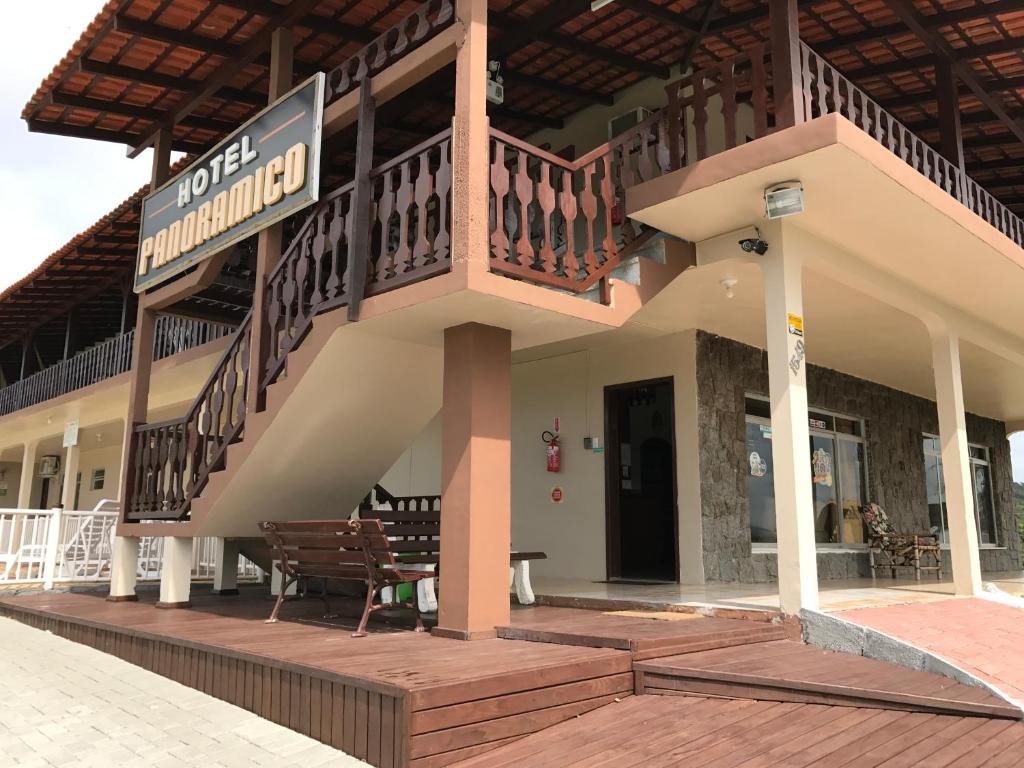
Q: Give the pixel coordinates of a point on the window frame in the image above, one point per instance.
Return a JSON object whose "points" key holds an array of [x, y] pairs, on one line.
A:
{"points": [[832, 434], [972, 462]]}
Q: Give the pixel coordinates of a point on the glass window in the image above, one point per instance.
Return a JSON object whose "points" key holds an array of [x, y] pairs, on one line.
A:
{"points": [[838, 469], [760, 483], [981, 487], [99, 477]]}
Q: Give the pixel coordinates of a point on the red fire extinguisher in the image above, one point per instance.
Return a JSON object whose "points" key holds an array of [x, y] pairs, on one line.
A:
{"points": [[554, 451]]}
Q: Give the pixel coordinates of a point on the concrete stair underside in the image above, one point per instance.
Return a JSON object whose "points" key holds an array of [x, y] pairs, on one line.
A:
{"points": [[350, 403]]}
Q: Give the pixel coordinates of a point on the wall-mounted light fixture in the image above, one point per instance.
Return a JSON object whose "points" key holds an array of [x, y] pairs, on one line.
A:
{"points": [[784, 199], [729, 284]]}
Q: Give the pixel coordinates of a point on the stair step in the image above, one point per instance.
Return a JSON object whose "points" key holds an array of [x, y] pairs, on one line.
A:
{"points": [[789, 671]]}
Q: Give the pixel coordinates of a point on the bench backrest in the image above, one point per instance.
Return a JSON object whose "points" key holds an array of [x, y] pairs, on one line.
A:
{"points": [[412, 523], [341, 549]]}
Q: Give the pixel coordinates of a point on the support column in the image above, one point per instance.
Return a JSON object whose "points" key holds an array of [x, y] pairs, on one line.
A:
{"points": [[787, 85], [124, 569], [269, 240], [787, 375], [28, 472], [470, 142], [225, 567], [956, 465], [176, 572], [142, 344], [476, 481], [951, 139], [67, 495]]}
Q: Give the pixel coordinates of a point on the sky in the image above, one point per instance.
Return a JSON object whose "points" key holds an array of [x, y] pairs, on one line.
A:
{"points": [[51, 187]]}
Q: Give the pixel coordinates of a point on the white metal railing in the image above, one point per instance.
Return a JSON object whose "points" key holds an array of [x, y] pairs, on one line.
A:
{"points": [[50, 546]]}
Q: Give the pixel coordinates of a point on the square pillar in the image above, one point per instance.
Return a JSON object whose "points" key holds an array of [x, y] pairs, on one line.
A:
{"points": [[176, 572], [225, 567], [782, 271], [787, 81], [67, 494], [956, 464], [476, 474], [124, 568], [28, 472]]}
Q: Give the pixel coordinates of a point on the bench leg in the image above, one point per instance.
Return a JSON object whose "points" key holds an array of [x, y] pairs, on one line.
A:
{"points": [[280, 599], [327, 604], [426, 596], [371, 592], [521, 582]]}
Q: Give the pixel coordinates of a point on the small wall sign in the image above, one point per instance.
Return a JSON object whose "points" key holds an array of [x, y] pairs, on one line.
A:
{"points": [[71, 434], [795, 324], [556, 495]]}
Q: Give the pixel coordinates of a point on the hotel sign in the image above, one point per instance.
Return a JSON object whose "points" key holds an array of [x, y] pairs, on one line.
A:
{"points": [[264, 171]]}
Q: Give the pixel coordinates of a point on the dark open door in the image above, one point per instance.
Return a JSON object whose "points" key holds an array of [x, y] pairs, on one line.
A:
{"points": [[640, 481]]}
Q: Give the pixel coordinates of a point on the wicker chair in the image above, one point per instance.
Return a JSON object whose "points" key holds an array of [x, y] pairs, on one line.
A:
{"points": [[890, 549]]}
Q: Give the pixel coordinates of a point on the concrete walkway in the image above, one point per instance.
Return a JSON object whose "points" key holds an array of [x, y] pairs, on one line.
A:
{"points": [[983, 637], [66, 704]]}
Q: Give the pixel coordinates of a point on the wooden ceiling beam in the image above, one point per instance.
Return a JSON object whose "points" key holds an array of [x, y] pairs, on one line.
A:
{"points": [[99, 134], [1005, 163], [937, 44], [313, 21], [157, 80], [931, 22], [288, 15], [553, 86], [171, 36], [660, 14], [927, 60]]}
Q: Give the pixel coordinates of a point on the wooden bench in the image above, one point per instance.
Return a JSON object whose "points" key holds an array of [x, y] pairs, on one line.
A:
{"points": [[413, 523], [353, 550]]}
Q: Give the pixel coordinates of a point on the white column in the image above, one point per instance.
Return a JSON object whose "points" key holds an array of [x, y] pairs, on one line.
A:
{"points": [[67, 496], [176, 572], [28, 473], [225, 567], [794, 509], [124, 568], [956, 465]]}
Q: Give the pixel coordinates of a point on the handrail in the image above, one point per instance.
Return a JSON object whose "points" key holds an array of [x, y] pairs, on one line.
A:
{"points": [[105, 360], [171, 461], [560, 222], [826, 90], [426, 22]]}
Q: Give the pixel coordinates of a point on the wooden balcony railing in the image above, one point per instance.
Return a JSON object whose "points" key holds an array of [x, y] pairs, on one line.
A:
{"points": [[560, 223], [105, 360], [170, 461], [410, 33], [827, 91]]}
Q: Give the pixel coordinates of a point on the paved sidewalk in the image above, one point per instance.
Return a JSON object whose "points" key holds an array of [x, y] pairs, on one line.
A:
{"points": [[983, 637], [65, 704]]}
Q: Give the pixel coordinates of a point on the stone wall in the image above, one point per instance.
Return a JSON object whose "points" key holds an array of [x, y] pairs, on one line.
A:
{"points": [[895, 422]]}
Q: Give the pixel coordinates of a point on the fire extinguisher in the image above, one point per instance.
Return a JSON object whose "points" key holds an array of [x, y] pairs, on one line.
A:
{"points": [[554, 451]]}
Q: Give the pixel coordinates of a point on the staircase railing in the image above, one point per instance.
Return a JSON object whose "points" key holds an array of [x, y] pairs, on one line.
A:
{"points": [[561, 223], [172, 460]]}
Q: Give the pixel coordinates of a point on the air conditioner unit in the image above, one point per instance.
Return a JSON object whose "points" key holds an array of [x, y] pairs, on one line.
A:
{"points": [[622, 123], [49, 466]]}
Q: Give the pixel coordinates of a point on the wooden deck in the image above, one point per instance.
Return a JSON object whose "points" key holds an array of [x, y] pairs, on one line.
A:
{"points": [[645, 635], [784, 670], [397, 698], [671, 731]]}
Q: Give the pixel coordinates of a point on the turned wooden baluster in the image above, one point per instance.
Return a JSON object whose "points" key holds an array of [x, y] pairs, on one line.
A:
{"points": [[336, 231], [588, 204], [567, 205], [443, 187], [609, 245], [421, 254], [524, 192], [546, 202], [808, 79], [403, 256], [500, 240], [385, 208]]}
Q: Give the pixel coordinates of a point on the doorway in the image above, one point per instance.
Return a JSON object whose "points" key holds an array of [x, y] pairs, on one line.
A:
{"points": [[640, 482]]}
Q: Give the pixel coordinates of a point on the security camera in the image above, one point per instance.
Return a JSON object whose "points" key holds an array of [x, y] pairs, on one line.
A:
{"points": [[754, 244]]}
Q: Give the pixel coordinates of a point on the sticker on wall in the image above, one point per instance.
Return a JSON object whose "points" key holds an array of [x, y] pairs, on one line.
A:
{"points": [[796, 324], [758, 466], [556, 495], [821, 463]]}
